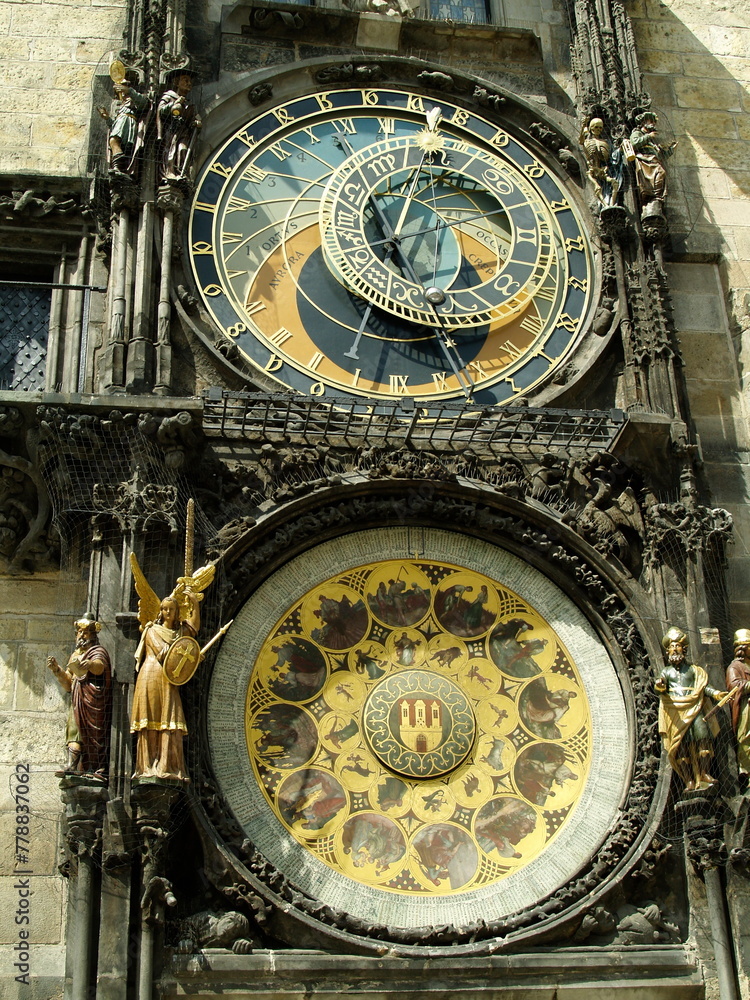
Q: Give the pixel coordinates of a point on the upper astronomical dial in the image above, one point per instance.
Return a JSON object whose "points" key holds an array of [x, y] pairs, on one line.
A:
{"points": [[372, 243], [424, 200]]}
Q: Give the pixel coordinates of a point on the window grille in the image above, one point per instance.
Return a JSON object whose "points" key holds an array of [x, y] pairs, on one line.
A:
{"points": [[24, 326]]}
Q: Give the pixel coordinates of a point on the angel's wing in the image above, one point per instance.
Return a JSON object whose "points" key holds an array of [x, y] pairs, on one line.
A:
{"points": [[149, 604], [196, 584]]}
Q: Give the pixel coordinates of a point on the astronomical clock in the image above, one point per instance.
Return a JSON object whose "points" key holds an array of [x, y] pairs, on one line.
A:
{"points": [[415, 721], [374, 243], [435, 737]]}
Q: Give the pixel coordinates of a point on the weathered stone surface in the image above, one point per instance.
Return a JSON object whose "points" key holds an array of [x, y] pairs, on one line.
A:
{"points": [[45, 909]]}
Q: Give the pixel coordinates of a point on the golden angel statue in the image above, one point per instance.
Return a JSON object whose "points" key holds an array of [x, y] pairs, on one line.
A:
{"points": [[166, 658]]}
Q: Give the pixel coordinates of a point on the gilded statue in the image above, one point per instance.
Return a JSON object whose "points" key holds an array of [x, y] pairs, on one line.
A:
{"points": [[166, 657], [686, 720], [88, 678], [738, 683]]}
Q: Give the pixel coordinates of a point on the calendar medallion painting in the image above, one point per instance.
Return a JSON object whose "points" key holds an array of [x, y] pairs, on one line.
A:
{"points": [[425, 727]]}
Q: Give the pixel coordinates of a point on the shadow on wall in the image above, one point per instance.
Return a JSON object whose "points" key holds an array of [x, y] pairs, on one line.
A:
{"points": [[697, 86]]}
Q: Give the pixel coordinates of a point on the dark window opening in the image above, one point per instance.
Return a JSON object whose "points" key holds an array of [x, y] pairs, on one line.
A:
{"points": [[24, 327]]}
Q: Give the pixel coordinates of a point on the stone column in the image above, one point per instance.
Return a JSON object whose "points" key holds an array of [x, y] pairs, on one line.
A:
{"points": [[84, 805], [153, 803]]}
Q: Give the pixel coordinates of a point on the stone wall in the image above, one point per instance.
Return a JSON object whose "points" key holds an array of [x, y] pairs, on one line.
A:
{"points": [[48, 54], [695, 55], [36, 621]]}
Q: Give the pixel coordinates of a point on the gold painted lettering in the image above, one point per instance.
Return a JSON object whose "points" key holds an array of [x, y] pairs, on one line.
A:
{"points": [[254, 174], [279, 152], [221, 169], [280, 337], [532, 324]]}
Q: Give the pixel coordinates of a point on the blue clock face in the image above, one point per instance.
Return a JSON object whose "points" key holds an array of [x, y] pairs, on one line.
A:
{"points": [[374, 243]]}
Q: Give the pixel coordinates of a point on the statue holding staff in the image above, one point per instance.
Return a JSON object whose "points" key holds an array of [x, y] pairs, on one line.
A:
{"points": [[177, 125]]}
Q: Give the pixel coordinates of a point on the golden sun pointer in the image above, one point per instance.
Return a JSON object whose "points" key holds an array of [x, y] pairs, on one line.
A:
{"points": [[429, 141]]}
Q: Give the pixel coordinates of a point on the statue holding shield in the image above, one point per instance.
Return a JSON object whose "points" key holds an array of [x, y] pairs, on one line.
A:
{"points": [[166, 657]]}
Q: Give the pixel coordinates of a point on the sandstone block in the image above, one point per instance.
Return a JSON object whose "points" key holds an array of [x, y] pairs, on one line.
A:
{"points": [[716, 124], [52, 49], [47, 595], [14, 48], [43, 842], [21, 75], [14, 131], [12, 627], [61, 131], [723, 41], [33, 677], [59, 162], [62, 21], [653, 61], [90, 50], [75, 76], [663, 37], [8, 654], [661, 90], [45, 909], [50, 629], [709, 357], [696, 92], [729, 213], [40, 739]]}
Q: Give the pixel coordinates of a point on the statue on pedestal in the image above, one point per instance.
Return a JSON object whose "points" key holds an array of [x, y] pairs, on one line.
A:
{"points": [[166, 658], [738, 682], [687, 730], [604, 169], [127, 122], [177, 125], [648, 155], [88, 678]]}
